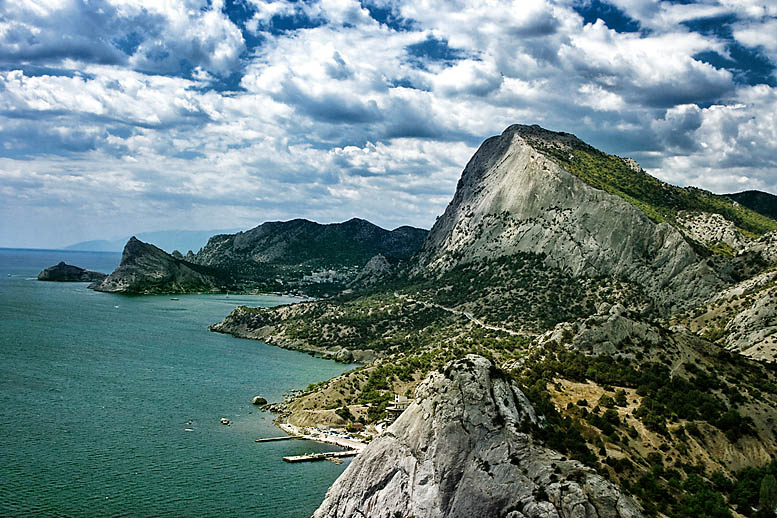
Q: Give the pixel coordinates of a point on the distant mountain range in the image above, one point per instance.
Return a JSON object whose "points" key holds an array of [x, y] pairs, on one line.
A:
{"points": [[275, 256], [168, 240]]}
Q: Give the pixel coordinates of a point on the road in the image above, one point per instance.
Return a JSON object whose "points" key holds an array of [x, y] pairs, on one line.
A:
{"points": [[465, 314]]}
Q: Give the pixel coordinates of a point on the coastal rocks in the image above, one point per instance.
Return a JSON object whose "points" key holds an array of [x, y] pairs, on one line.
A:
{"points": [[513, 197], [145, 268], [461, 450], [270, 326], [63, 272], [258, 400], [344, 356]]}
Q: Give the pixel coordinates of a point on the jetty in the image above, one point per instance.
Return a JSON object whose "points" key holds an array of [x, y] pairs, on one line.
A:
{"points": [[284, 438], [310, 457]]}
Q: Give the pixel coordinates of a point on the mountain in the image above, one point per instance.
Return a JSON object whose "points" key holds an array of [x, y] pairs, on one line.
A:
{"points": [[297, 255], [97, 245], [590, 214], [758, 201], [146, 269], [299, 241], [168, 240], [464, 447], [637, 317], [307, 256], [63, 272]]}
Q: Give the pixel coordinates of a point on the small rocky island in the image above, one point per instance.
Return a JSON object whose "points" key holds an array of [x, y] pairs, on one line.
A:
{"points": [[63, 272]]}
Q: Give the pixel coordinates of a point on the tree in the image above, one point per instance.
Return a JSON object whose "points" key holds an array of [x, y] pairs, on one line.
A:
{"points": [[768, 495]]}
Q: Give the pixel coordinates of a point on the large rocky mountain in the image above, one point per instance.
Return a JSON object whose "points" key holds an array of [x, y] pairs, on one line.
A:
{"points": [[536, 191], [465, 448], [637, 317], [288, 256]]}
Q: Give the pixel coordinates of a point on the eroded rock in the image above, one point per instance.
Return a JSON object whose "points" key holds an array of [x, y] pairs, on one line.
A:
{"points": [[461, 450]]}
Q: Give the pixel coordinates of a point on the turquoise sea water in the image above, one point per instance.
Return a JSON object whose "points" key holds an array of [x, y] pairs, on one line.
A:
{"points": [[97, 392]]}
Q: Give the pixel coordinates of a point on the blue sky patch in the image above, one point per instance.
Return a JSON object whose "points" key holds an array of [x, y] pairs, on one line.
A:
{"points": [[432, 50], [748, 65], [613, 17]]}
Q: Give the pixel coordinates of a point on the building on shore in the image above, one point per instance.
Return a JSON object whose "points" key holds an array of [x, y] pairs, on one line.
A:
{"points": [[396, 407]]}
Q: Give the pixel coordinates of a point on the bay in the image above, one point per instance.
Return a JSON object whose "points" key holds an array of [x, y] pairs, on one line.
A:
{"points": [[110, 404]]}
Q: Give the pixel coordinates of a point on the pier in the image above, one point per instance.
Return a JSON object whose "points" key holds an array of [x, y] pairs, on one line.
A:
{"points": [[321, 456], [284, 438]]}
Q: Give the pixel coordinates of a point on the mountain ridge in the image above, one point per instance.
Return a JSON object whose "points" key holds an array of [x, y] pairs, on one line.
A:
{"points": [[602, 292], [298, 256]]}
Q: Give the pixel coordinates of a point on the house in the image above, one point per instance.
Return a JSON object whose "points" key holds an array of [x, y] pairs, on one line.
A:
{"points": [[396, 407]]}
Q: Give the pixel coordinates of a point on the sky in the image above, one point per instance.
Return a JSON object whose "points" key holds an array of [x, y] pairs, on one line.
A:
{"points": [[123, 116]]}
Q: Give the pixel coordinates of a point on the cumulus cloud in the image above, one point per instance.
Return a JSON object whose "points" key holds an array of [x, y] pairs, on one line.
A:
{"points": [[191, 113], [163, 37]]}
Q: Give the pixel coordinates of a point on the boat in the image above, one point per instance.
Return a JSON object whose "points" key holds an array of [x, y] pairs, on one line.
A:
{"points": [[174, 298]]}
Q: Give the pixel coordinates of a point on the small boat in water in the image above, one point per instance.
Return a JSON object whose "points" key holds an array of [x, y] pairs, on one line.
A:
{"points": [[174, 298]]}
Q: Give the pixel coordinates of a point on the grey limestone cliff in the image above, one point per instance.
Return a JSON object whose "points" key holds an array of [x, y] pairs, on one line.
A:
{"points": [[461, 450], [512, 198], [145, 268]]}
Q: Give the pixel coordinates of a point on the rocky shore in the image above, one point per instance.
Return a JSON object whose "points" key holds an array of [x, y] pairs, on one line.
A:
{"points": [[240, 323]]}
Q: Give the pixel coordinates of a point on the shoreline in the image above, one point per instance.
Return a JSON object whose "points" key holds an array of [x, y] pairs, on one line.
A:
{"points": [[322, 437]]}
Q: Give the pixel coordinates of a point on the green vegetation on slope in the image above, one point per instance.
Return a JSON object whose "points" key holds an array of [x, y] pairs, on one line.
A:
{"points": [[659, 200], [761, 202]]}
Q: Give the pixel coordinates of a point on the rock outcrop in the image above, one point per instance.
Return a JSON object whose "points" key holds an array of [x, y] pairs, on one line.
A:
{"points": [[611, 333], [764, 247], [376, 269], [146, 269], [63, 272], [711, 229], [460, 450], [513, 197]]}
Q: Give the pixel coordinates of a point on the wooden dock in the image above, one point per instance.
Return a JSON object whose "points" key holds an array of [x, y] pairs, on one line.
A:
{"points": [[284, 438], [321, 456]]}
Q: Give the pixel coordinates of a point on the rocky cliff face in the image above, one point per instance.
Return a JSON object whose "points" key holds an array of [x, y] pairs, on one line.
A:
{"points": [[513, 197], [145, 268], [461, 450], [711, 229], [376, 268], [63, 272]]}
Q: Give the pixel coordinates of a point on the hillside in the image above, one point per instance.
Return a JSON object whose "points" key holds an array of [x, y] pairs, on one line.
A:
{"points": [[304, 256], [635, 316], [303, 242], [761, 202], [297, 256]]}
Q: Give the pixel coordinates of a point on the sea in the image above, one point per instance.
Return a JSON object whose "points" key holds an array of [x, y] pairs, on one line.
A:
{"points": [[110, 405]]}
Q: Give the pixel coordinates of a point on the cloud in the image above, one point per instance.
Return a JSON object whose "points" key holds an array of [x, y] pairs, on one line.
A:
{"points": [[164, 37], [142, 114]]}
